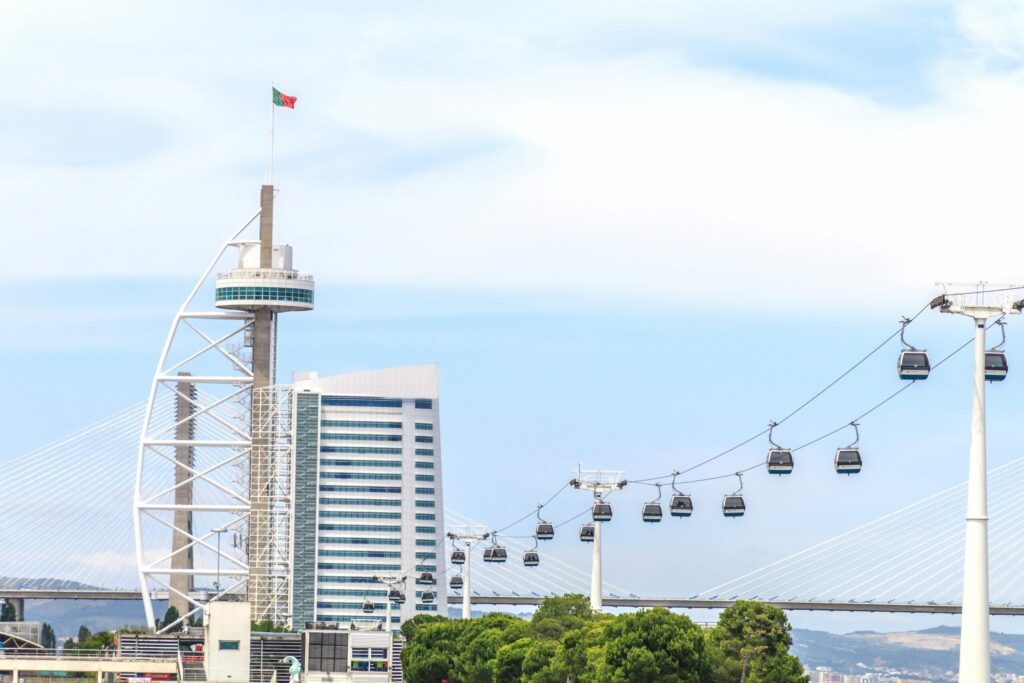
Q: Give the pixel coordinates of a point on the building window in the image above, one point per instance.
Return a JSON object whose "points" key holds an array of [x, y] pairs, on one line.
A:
{"points": [[362, 514], [380, 502], [426, 608], [349, 567], [347, 579], [425, 516], [369, 554], [424, 491], [360, 437], [425, 465], [426, 542], [424, 439], [374, 450], [351, 593], [383, 528], [421, 451], [228, 645], [362, 402], [360, 424], [264, 294], [386, 476], [426, 530], [423, 503], [339, 488], [426, 556], [426, 568], [424, 403], [355, 540], [331, 462], [424, 477], [424, 425]]}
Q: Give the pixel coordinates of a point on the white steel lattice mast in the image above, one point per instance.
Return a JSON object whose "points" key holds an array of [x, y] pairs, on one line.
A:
{"points": [[216, 470]]}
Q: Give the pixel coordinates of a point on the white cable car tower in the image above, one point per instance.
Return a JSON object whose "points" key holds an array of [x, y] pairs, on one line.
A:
{"points": [[468, 536], [599, 482], [978, 301], [225, 465]]}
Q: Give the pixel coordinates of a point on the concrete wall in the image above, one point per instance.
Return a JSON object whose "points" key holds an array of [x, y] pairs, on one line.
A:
{"points": [[227, 623]]}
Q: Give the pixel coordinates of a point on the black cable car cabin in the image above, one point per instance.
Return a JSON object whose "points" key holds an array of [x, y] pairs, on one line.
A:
{"points": [[427, 596], [996, 366], [458, 557], [396, 596], [587, 533], [681, 505], [733, 505], [780, 461], [913, 364], [495, 553], [456, 583], [425, 577], [531, 558], [652, 512], [367, 607], [848, 460], [545, 531], [602, 511]]}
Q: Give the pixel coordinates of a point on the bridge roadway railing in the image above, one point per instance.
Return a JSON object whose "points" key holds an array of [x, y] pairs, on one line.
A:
{"points": [[787, 605]]}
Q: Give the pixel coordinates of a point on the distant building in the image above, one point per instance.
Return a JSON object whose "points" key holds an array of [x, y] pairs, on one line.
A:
{"points": [[368, 500]]}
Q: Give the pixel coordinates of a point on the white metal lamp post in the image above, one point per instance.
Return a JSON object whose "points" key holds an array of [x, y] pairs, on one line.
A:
{"points": [[980, 302], [219, 531]]}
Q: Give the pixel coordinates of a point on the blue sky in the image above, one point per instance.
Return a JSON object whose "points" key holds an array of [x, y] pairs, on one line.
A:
{"points": [[630, 233]]}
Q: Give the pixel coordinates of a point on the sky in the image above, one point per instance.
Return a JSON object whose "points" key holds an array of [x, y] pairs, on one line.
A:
{"points": [[630, 233]]}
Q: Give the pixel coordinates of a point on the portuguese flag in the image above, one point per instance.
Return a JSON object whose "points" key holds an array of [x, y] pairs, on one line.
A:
{"points": [[282, 100]]}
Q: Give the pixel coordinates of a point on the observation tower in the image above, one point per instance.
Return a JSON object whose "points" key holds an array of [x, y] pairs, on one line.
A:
{"points": [[223, 466], [265, 284]]}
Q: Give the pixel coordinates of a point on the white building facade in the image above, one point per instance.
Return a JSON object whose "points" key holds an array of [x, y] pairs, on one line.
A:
{"points": [[368, 499]]}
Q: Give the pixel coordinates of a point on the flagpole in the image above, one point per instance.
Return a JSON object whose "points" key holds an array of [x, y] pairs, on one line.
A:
{"points": [[270, 180]]}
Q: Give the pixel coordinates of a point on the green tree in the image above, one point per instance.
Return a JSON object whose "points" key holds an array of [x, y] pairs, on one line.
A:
{"points": [[654, 645], [84, 634], [269, 626], [429, 653], [557, 615], [478, 644], [410, 627], [7, 612], [170, 616], [750, 644], [508, 661], [48, 637]]}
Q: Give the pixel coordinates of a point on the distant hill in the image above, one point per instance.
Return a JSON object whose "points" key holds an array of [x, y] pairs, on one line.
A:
{"points": [[52, 584], [932, 653]]}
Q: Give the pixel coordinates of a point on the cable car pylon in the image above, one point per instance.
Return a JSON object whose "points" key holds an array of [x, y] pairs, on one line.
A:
{"points": [[599, 482], [467, 536]]}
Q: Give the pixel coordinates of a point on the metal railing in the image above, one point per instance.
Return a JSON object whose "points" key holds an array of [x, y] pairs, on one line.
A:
{"points": [[77, 655], [263, 273]]}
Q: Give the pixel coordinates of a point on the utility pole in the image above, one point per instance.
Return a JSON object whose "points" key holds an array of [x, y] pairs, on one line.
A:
{"points": [[599, 482], [979, 302], [468, 536]]}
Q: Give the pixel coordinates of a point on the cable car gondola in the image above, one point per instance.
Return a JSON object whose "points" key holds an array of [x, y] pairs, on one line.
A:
{"points": [[913, 362], [531, 558], [996, 366], [779, 460], [458, 556], [652, 511], [367, 607], [495, 553], [587, 533], [456, 583], [396, 596], [848, 459], [427, 596], [733, 504], [545, 530], [602, 511], [425, 577], [681, 504]]}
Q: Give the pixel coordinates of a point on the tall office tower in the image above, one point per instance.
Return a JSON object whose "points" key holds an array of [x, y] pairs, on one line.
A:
{"points": [[367, 488]]}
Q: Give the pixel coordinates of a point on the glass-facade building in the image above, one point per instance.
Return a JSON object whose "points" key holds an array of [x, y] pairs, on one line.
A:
{"points": [[368, 498]]}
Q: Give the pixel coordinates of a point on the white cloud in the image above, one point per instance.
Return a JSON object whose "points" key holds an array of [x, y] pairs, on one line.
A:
{"points": [[629, 176]]}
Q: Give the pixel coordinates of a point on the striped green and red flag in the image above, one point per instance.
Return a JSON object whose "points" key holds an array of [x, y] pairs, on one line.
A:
{"points": [[282, 100]]}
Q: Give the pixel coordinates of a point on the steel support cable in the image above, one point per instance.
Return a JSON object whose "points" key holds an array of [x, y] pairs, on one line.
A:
{"points": [[28, 466], [548, 559], [947, 546], [796, 410], [535, 510], [791, 560]]}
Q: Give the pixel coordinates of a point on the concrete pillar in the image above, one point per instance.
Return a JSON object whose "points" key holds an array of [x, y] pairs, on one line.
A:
{"points": [[185, 455], [260, 458], [14, 676]]}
